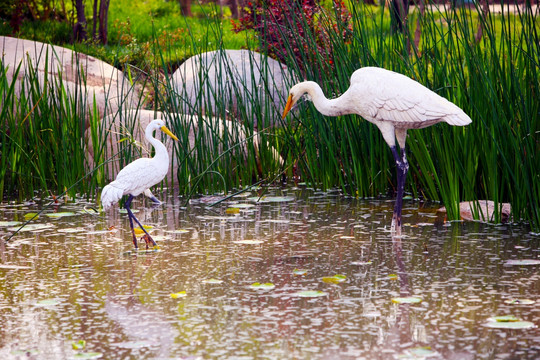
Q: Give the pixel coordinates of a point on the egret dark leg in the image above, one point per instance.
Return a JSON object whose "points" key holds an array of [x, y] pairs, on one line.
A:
{"points": [[402, 166], [131, 218]]}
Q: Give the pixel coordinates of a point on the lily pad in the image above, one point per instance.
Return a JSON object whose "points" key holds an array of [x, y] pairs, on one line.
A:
{"points": [[78, 345], [14, 267], [420, 352], [33, 227], [248, 242], [523, 262], [47, 302], [88, 355], [361, 263], [212, 281], [259, 286], [310, 293], [9, 223], [31, 215], [519, 301], [406, 300], [336, 279], [71, 230], [124, 211], [243, 206], [179, 294], [60, 214], [507, 322]]}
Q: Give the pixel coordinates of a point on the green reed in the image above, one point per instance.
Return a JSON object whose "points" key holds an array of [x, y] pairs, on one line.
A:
{"points": [[494, 80]]}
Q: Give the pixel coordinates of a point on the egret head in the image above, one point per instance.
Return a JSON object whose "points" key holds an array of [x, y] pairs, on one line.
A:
{"points": [[296, 93], [160, 124]]}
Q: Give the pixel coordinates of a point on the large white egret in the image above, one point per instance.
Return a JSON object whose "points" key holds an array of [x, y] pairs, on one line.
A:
{"points": [[138, 176], [393, 102]]}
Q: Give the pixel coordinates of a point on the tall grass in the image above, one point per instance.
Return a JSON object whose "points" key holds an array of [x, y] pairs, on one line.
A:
{"points": [[495, 81]]}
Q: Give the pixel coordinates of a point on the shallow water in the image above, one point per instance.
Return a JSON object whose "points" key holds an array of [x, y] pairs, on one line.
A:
{"points": [[78, 280]]}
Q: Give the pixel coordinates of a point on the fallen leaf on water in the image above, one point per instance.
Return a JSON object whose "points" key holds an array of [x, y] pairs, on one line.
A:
{"points": [[232, 211], [406, 300], [78, 345], [31, 215], [336, 279], [212, 281], [248, 242], [60, 214], [519, 301], [9, 223], [523, 262], [259, 286], [507, 322], [310, 293], [88, 355], [179, 294], [139, 231]]}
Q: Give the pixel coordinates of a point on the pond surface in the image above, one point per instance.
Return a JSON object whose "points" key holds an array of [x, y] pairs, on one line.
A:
{"points": [[307, 276]]}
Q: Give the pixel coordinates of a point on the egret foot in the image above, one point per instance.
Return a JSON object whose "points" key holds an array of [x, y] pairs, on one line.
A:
{"points": [[148, 240]]}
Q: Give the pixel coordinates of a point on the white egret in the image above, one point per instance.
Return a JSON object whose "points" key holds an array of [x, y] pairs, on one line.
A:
{"points": [[138, 176], [393, 102]]}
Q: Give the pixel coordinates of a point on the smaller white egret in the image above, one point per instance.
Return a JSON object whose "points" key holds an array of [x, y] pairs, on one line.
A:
{"points": [[138, 176], [393, 102]]}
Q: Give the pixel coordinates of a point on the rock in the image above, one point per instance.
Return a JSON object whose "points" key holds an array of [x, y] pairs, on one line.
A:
{"points": [[117, 128], [484, 209], [112, 90], [253, 87]]}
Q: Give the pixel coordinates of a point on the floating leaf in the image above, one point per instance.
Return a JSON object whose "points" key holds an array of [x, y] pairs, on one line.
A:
{"points": [[124, 211], [421, 352], [271, 199], [139, 231], [31, 215], [232, 210], [9, 223], [60, 214], [361, 262], [179, 294], [212, 281], [14, 267], [179, 231], [504, 318], [406, 300], [248, 242], [25, 352], [507, 322], [279, 198], [519, 301], [47, 302], [300, 272], [71, 230], [523, 262], [310, 293], [259, 286], [336, 279], [78, 345], [392, 276], [33, 227], [243, 206], [88, 355]]}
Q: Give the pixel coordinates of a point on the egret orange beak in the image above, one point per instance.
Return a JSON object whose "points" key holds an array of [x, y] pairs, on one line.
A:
{"points": [[287, 106], [168, 132]]}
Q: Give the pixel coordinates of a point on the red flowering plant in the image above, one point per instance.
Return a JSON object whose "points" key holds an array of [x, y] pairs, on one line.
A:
{"points": [[300, 29]]}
